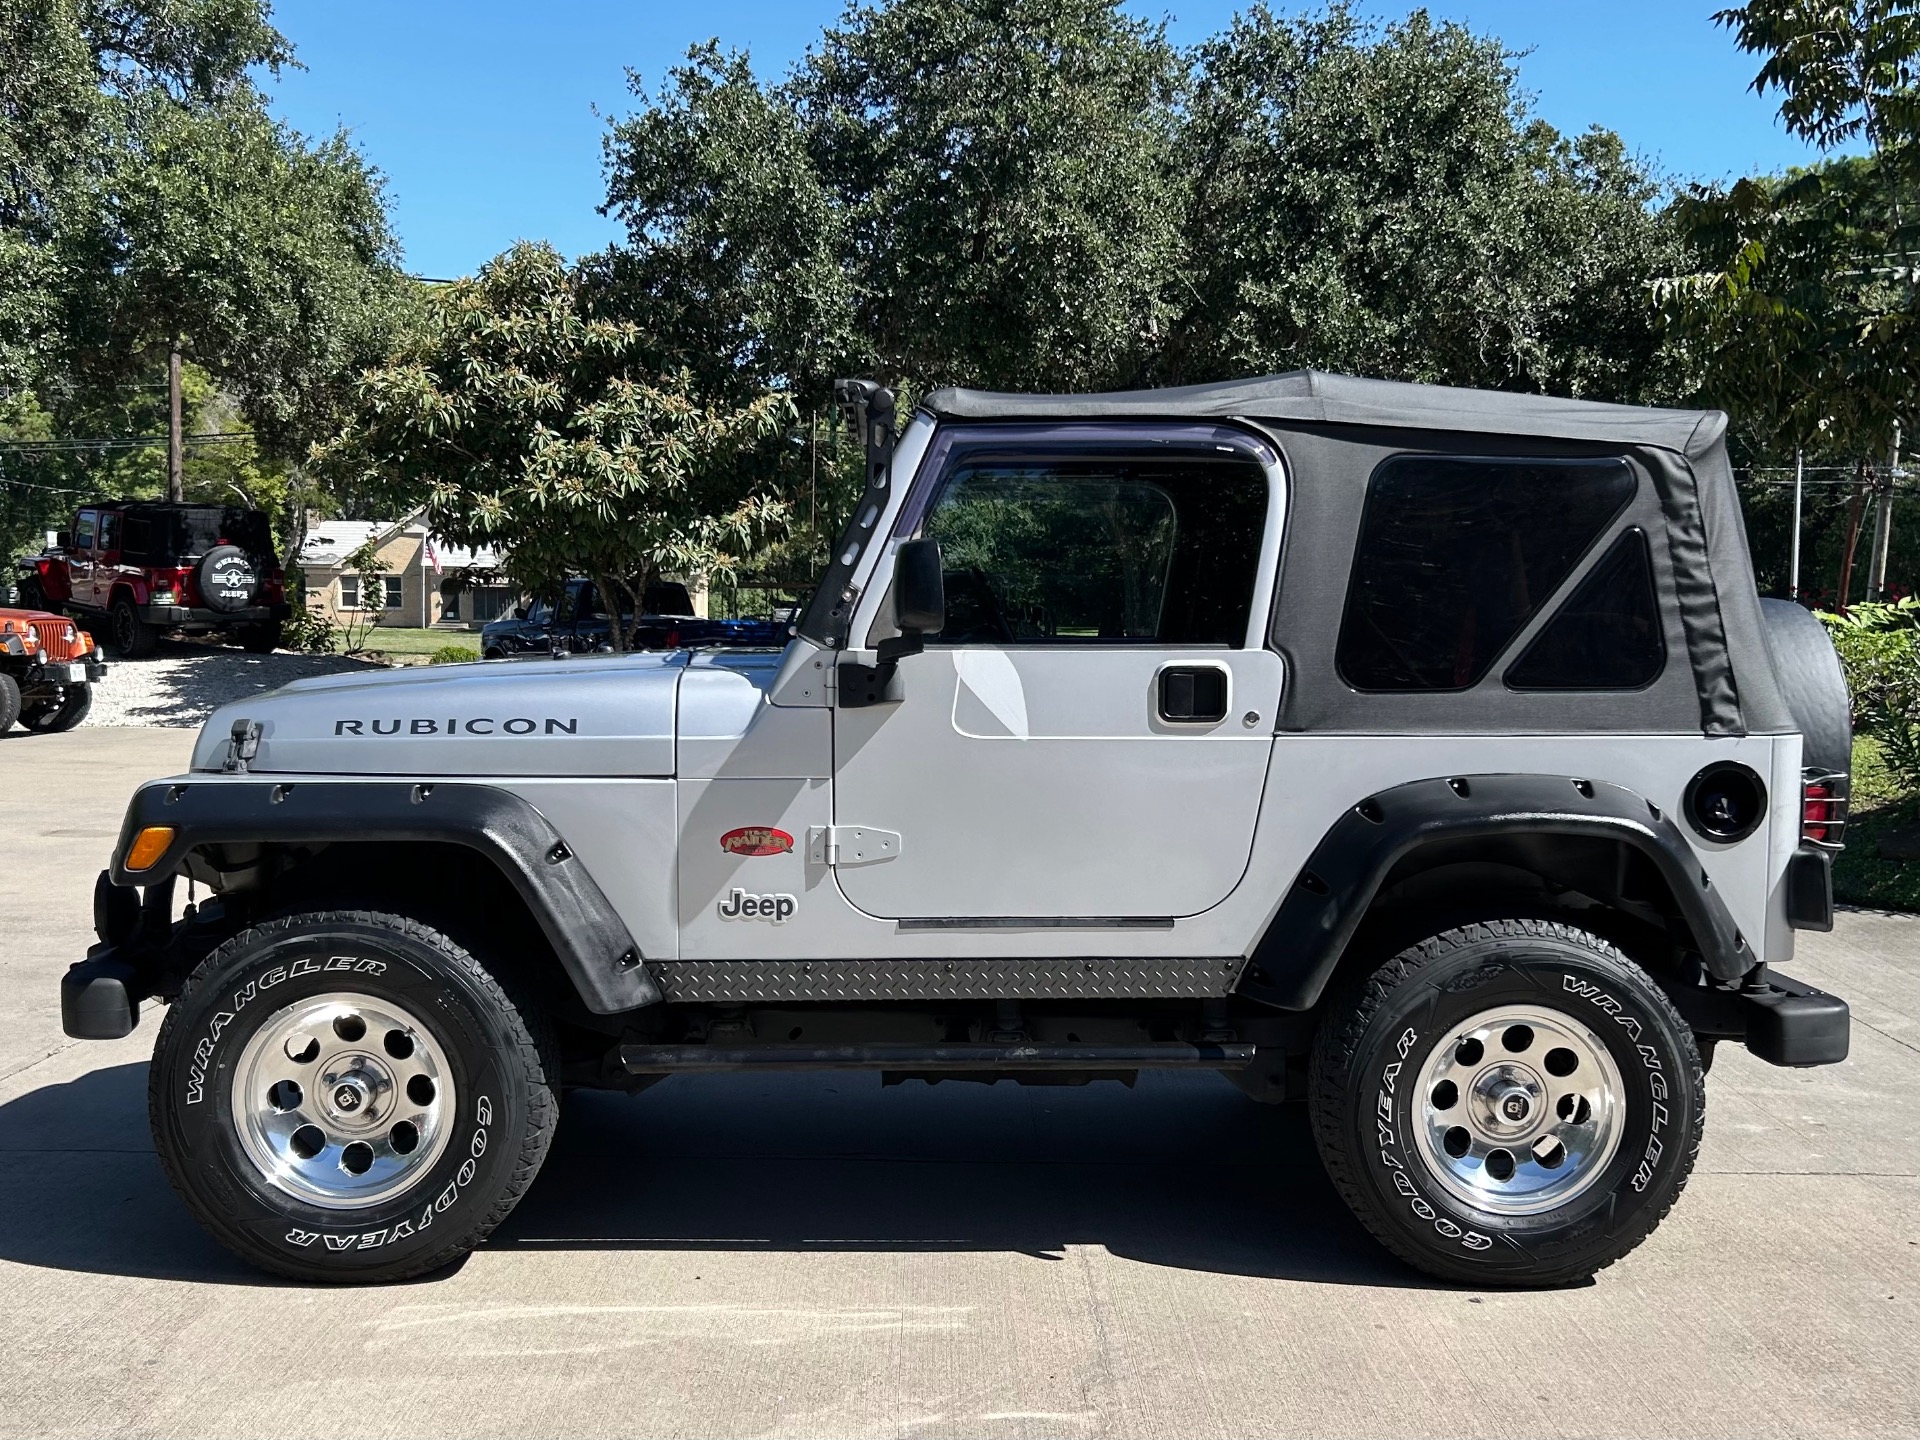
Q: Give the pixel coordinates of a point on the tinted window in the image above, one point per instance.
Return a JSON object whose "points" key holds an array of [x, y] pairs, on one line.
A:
{"points": [[1607, 635], [109, 531], [198, 530], [1456, 555], [1085, 552], [137, 540]]}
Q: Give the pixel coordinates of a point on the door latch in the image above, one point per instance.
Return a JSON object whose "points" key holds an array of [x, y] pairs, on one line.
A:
{"points": [[850, 845]]}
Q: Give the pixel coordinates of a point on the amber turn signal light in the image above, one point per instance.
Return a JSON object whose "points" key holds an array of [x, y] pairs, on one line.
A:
{"points": [[148, 846]]}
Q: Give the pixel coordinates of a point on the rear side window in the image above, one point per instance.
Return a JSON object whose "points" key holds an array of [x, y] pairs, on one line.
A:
{"points": [[1607, 635], [1457, 554], [138, 540]]}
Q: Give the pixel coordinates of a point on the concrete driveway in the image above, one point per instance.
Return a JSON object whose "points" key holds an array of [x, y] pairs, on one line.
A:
{"points": [[761, 1256]]}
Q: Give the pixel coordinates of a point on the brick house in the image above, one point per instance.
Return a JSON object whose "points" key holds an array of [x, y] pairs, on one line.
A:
{"points": [[425, 583]]}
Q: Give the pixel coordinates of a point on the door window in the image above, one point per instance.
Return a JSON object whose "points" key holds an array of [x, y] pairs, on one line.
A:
{"points": [[1092, 553], [83, 530]]}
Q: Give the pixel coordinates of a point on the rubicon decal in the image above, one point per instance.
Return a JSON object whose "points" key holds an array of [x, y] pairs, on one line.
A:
{"points": [[756, 840], [455, 725]]}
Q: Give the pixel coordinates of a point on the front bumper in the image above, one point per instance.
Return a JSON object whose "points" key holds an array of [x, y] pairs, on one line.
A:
{"points": [[70, 672], [1780, 1021]]}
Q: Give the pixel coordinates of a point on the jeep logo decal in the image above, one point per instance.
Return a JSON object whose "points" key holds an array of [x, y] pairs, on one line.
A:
{"points": [[739, 905], [454, 725], [756, 840]]}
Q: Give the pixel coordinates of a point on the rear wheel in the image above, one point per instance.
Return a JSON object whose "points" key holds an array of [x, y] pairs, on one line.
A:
{"points": [[51, 716], [1513, 1102], [133, 637], [350, 1096]]}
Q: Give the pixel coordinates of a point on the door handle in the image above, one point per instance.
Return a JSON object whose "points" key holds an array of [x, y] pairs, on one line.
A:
{"points": [[1194, 694]]}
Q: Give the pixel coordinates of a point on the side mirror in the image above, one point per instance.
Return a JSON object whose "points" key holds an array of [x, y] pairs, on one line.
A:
{"points": [[63, 539], [519, 612], [919, 588]]}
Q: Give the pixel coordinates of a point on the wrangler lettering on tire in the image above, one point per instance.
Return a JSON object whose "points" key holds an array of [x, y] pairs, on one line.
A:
{"points": [[1508, 1102]]}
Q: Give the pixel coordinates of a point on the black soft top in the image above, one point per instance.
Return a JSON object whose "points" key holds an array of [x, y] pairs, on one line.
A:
{"points": [[1335, 430], [1316, 396]]}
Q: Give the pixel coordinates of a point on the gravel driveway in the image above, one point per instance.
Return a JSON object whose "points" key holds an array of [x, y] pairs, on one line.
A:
{"points": [[182, 683]]}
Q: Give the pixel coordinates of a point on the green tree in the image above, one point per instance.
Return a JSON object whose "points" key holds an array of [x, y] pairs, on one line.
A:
{"points": [[1381, 202], [974, 192], [1800, 308], [1045, 194], [531, 417], [66, 66], [218, 235]]}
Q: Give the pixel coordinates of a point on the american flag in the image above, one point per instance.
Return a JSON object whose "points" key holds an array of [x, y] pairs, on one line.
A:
{"points": [[433, 556]]}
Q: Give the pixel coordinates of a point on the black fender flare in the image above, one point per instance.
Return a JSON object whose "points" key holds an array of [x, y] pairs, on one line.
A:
{"points": [[587, 934], [1303, 943]]}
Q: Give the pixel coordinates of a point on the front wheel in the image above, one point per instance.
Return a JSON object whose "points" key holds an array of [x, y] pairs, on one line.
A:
{"points": [[1513, 1102], [9, 701], [49, 717], [350, 1096]]}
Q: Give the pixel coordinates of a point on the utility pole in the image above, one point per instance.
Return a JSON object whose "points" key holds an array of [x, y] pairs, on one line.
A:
{"points": [[1883, 521], [1799, 485], [176, 459]]}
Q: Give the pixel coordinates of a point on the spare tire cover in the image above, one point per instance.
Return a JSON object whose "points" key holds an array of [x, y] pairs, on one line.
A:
{"points": [[228, 579], [1808, 669]]}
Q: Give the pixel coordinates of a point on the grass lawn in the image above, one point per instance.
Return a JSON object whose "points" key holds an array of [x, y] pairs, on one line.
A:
{"points": [[1860, 876], [401, 640]]}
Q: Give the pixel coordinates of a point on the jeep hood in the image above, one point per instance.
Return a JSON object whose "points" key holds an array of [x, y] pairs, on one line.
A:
{"points": [[585, 715]]}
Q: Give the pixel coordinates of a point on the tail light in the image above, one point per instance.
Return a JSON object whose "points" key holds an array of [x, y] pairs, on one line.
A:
{"points": [[273, 587], [1823, 808], [174, 586]]}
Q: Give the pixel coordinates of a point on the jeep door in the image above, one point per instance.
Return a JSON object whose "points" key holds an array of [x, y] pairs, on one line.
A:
{"points": [[80, 564], [106, 559], [1087, 738]]}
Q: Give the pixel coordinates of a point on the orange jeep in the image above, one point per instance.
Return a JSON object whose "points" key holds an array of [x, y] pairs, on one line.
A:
{"points": [[48, 668]]}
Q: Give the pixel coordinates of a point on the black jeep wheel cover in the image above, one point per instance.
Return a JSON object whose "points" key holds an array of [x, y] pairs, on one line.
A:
{"points": [[228, 579]]}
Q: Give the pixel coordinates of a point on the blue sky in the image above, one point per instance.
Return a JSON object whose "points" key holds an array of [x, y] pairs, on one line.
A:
{"points": [[483, 116]]}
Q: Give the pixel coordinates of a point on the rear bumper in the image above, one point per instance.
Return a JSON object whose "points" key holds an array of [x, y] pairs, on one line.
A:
{"points": [[1781, 1021], [178, 617]]}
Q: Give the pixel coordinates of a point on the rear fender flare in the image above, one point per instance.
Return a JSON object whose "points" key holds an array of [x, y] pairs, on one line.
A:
{"points": [[587, 934], [1330, 897]]}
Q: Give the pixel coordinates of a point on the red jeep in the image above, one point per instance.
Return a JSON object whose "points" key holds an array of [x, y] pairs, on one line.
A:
{"points": [[147, 568]]}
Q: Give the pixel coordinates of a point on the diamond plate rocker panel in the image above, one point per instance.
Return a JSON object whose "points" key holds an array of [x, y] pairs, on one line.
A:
{"points": [[849, 980]]}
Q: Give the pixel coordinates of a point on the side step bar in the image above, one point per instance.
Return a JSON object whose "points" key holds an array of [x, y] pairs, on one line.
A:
{"points": [[681, 1059]]}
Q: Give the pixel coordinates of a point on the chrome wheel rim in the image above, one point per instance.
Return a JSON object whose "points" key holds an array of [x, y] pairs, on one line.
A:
{"points": [[1518, 1110], [342, 1100]]}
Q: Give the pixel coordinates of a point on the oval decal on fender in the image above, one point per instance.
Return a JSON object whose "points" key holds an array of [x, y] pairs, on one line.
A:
{"points": [[756, 840]]}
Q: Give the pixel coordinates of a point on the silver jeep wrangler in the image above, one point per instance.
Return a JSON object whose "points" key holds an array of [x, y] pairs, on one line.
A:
{"points": [[1423, 755]]}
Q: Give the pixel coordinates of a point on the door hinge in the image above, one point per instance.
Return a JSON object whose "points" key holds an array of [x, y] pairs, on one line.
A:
{"points": [[850, 845]]}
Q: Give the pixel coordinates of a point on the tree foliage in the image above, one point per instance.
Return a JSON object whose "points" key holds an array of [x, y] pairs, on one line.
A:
{"points": [[529, 415], [1046, 194]]}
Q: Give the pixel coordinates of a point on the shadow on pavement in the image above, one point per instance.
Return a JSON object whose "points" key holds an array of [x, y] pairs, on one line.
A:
{"points": [[1182, 1171]]}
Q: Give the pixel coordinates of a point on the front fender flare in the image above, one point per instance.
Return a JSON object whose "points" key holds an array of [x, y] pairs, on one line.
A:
{"points": [[1330, 897], [587, 934]]}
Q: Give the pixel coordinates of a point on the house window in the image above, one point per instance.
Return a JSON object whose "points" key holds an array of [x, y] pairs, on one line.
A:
{"points": [[391, 586], [349, 592]]}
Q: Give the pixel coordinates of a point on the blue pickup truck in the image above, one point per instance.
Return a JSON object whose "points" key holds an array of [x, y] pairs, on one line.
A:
{"points": [[578, 622]]}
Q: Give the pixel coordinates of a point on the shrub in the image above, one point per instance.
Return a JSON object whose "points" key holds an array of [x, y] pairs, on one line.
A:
{"points": [[1879, 647], [311, 631], [453, 655]]}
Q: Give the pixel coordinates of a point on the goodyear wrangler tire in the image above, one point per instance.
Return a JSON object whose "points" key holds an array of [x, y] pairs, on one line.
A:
{"points": [[350, 1096], [1509, 1103]]}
